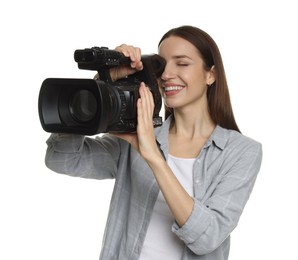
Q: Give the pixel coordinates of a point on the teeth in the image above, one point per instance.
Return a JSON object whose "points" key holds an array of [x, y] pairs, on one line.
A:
{"points": [[173, 88]]}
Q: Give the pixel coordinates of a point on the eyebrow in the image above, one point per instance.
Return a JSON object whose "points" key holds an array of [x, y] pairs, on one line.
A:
{"points": [[181, 57]]}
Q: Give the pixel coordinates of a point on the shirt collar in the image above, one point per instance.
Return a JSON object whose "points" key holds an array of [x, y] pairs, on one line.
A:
{"points": [[219, 137]]}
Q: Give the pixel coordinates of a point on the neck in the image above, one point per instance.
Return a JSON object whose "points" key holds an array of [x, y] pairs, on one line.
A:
{"points": [[192, 125]]}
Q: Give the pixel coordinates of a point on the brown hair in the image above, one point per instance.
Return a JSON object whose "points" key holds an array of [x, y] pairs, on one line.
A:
{"points": [[219, 102]]}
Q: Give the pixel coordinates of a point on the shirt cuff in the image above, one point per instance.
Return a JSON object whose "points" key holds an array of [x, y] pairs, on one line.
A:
{"points": [[196, 225]]}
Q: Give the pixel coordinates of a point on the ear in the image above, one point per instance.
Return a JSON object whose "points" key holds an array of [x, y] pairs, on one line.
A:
{"points": [[211, 76]]}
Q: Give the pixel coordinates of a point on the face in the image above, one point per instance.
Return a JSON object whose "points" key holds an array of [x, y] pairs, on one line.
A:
{"points": [[184, 80]]}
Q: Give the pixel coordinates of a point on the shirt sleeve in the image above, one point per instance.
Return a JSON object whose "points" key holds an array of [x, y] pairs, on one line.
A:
{"points": [[81, 156], [212, 220]]}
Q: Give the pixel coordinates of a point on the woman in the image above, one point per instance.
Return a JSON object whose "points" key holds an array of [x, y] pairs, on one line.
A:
{"points": [[179, 188]]}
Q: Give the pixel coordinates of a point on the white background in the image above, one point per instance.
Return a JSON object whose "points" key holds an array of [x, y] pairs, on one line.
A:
{"points": [[49, 216]]}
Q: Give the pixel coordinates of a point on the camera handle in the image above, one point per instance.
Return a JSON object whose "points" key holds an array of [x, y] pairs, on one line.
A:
{"points": [[104, 75], [100, 59]]}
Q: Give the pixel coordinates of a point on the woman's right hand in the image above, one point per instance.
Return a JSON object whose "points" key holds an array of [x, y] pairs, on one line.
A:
{"points": [[134, 53]]}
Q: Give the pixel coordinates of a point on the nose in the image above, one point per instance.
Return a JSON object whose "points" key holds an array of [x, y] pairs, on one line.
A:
{"points": [[167, 73]]}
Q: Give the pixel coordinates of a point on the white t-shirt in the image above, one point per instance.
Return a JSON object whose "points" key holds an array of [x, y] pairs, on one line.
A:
{"points": [[160, 242]]}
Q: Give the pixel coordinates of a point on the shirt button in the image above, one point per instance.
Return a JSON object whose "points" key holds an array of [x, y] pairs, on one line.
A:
{"points": [[197, 181]]}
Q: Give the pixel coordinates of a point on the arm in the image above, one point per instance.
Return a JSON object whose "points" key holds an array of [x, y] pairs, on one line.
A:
{"points": [[217, 214], [178, 200], [81, 156]]}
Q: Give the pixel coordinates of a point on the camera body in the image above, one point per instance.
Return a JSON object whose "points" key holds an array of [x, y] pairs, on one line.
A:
{"points": [[92, 106]]}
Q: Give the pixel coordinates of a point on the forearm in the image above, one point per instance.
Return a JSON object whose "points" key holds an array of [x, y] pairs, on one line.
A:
{"points": [[177, 198], [81, 157]]}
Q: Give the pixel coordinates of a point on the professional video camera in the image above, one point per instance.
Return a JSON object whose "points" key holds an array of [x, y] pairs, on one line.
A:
{"points": [[92, 106]]}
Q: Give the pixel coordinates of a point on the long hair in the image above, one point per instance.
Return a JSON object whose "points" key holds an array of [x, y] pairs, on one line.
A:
{"points": [[219, 103]]}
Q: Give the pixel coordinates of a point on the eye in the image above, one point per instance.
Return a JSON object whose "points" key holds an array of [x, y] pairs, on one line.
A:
{"points": [[182, 64]]}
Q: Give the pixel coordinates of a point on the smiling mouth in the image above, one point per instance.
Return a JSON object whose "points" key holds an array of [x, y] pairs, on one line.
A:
{"points": [[172, 90]]}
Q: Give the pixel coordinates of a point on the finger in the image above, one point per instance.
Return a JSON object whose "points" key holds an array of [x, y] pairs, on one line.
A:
{"points": [[134, 53], [146, 105], [149, 99], [123, 48], [137, 65], [130, 51]]}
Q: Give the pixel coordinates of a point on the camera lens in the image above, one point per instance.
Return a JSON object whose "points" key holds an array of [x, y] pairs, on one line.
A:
{"points": [[83, 106]]}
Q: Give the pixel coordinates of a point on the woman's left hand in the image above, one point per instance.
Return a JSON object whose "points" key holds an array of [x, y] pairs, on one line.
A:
{"points": [[144, 140]]}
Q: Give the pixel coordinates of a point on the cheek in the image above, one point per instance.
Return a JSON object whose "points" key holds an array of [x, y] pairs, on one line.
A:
{"points": [[191, 76], [199, 79]]}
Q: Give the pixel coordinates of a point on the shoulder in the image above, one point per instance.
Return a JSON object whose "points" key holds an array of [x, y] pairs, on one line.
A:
{"points": [[235, 144], [240, 141], [233, 139]]}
